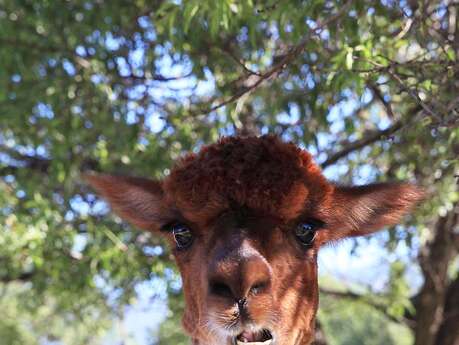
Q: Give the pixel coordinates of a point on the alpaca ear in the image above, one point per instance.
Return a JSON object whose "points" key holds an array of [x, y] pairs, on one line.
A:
{"points": [[139, 201], [361, 210]]}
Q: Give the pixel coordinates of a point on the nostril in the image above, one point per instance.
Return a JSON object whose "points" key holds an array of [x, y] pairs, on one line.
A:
{"points": [[219, 288], [259, 286]]}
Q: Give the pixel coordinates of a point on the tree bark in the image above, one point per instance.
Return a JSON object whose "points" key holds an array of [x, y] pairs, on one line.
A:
{"points": [[434, 300], [448, 333]]}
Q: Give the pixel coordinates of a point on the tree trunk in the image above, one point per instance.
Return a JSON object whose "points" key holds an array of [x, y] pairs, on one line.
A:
{"points": [[435, 310], [448, 333]]}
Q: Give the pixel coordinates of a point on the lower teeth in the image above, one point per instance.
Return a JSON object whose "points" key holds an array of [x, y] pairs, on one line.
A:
{"points": [[266, 339], [266, 342]]}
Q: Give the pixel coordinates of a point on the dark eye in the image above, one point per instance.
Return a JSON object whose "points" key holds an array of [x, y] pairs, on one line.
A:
{"points": [[306, 233], [182, 236]]}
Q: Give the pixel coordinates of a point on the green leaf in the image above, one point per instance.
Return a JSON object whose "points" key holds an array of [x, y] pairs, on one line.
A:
{"points": [[191, 8]]}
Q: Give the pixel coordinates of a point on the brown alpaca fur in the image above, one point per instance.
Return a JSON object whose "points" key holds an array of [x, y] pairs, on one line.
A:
{"points": [[242, 198]]}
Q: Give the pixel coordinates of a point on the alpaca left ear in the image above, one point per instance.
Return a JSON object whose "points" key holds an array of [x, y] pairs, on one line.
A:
{"points": [[361, 210], [140, 201]]}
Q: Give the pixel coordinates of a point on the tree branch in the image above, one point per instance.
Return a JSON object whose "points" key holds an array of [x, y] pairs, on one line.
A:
{"points": [[227, 49], [369, 138], [35, 163], [382, 308], [290, 56], [378, 94], [28, 161], [23, 277], [390, 69]]}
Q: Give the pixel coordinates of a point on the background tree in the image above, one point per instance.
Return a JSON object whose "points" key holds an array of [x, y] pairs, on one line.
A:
{"points": [[369, 87]]}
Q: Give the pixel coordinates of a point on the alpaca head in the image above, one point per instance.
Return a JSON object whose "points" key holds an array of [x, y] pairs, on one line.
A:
{"points": [[245, 218]]}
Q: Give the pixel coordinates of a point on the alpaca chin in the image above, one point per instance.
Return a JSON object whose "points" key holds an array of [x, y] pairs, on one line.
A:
{"points": [[240, 333]]}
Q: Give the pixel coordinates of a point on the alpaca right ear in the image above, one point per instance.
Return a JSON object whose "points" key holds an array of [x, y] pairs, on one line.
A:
{"points": [[362, 210], [140, 201]]}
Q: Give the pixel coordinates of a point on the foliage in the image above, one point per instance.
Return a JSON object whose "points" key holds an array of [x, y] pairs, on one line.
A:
{"points": [[356, 323], [369, 87], [28, 321], [169, 332]]}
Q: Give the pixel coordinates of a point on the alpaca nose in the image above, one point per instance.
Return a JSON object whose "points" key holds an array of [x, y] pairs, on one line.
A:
{"points": [[238, 278]]}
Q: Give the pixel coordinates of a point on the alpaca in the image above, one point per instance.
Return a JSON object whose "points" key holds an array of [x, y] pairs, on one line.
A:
{"points": [[245, 218]]}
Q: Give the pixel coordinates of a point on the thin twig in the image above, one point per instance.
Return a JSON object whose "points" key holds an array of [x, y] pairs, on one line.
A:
{"points": [[411, 92], [378, 94], [291, 55], [240, 62]]}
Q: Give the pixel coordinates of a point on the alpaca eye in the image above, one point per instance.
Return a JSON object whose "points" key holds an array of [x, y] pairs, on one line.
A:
{"points": [[182, 236], [306, 233]]}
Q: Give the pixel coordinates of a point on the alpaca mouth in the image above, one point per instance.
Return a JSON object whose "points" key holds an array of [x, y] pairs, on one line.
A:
{"points": [[263, 337]]}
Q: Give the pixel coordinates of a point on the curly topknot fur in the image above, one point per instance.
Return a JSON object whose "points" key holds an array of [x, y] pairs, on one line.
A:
{"points": [[261, 173]]}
